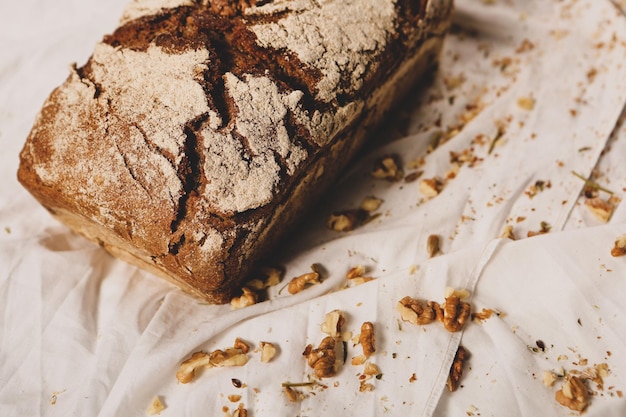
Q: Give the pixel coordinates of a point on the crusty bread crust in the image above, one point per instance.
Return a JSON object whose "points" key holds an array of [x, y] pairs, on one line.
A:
{"points": [[197, 134]]}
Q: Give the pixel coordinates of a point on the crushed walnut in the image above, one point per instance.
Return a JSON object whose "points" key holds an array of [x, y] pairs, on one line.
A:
{"points": [[456, 370], [356, 275], [270, 276], [507, 233], [322, 359], [433, 246], [619, 249], [601, 208], [573, 394], [234, 356], [371, 204], [333, 323], [544, 228], [417, 311], [268, 351], [247, 299], [388, 168], [241, 411], [453, 313], [155, 407], [431, 187], [367, 339], [299, 283], [347, 220]]}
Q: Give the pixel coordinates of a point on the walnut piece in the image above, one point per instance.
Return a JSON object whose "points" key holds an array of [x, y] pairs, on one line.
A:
{"points": [[270, 276], [347, 220], [299, 283], [241, 345], [247, 299], [371, 204], [455, 313], [367, 339], [333, 322], [549, 378], [507, 233], [323, 359], [155, 407], [620, 246], [433, 246], [417, 311], [241, 411], [388, 168], [573, 394], [602, 209], [218, 358], [293, 395], [431, 187], [268, 351], [187, 370], [456, 370]]}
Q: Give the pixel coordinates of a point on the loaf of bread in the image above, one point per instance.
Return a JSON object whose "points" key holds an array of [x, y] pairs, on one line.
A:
{"points": [[199, 131]]}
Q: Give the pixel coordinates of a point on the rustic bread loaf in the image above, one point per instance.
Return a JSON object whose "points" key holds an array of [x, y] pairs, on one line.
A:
{"points": [[198, 132]]}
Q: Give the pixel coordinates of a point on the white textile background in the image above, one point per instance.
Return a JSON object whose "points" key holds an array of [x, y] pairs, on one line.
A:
{"points": [[84, 334]]}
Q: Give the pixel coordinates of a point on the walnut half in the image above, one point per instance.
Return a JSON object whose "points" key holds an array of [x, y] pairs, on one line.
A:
{"points": [[323, 359], [417, 311], [455, 313], [367, 339], [456, 370]]}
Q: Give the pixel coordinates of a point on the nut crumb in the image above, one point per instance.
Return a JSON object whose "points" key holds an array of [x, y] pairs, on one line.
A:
{"points": [[526, 103], [241, 411], [602, 209], [268, 351], [155, 407], [549, 378], [233, 398], [431, 187], [545, 228], [620, 246], [347, 220], [507, 233], [388, 168], [371, 204]]}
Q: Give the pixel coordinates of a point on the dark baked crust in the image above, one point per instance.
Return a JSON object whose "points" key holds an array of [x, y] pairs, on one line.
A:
{"points": [[195, 137]]}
